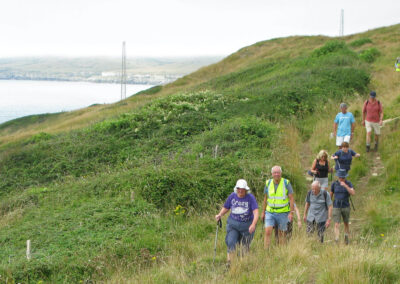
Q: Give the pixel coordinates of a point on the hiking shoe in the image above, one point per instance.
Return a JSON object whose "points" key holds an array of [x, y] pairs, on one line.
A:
{"points": [[346, 239], [368, 147], [322, 239], [376, 147]]}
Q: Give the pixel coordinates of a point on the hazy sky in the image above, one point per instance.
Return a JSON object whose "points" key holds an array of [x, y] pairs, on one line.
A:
{"points": [[175, 27]]}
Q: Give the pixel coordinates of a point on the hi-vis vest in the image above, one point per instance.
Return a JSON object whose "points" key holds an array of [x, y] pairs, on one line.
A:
{"points": [[278, 201], [397, 65]]}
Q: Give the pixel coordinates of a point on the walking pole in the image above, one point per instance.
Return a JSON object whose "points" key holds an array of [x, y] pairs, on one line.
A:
{"points": [[352, 205], [219, 225]]}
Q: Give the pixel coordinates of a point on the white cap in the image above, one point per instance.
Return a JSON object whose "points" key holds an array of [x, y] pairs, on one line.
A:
{"points": [[241, 183]]}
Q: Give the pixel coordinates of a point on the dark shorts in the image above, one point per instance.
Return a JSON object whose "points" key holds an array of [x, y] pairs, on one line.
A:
{"points": [[339, 213], [237, 233]]}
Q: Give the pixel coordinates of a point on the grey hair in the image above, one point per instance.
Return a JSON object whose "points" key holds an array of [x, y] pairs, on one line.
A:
{"points": [[342, 105], [315, 182], [280, 169]]}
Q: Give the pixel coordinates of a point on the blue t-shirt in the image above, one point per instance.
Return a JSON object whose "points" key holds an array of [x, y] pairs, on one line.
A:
{"points": [[344, 160], [241, 208], [344, 121], [341, 194]]}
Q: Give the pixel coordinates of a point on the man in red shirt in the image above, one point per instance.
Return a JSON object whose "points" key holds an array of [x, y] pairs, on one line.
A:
{"points": [[372, 118]]}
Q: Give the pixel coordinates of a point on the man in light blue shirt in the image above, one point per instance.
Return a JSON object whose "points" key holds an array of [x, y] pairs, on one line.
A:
{"points": [[343, 127]]}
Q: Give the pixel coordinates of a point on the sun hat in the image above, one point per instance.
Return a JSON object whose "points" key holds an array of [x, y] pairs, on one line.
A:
{"points": [[372, 94], [342, 173], [241, 183]]}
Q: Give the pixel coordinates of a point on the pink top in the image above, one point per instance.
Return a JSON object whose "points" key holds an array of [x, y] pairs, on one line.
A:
{"points": [[372, 110]]}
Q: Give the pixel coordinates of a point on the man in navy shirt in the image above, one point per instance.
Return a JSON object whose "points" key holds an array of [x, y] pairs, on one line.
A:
{"points": [[342, 189]]}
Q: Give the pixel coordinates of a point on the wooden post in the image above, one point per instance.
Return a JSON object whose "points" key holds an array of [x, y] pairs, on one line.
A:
{"points": [[28, 249], [132, 196], [216, 152]]}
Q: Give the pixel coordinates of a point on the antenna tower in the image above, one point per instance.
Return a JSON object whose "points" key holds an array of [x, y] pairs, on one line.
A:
{"points": [[341, 31], [123, 73]]}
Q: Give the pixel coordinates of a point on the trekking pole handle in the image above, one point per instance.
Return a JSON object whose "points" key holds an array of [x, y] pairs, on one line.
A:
{"points": [[219, 223]]}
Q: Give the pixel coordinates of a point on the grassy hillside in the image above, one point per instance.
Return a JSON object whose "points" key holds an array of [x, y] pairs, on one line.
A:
{"points": [[134, 194]]}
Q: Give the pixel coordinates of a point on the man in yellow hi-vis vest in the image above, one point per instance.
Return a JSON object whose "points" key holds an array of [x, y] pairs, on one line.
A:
{"points": [[397, 64], [278, 206]]}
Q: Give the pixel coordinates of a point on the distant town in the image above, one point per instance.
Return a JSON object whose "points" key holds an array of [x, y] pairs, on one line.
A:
{"points": [[95, 77], [151, 71]]}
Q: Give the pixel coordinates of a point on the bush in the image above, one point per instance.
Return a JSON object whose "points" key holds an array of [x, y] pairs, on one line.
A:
{"points": [[330, 47], [369, 55], [360, 42]]}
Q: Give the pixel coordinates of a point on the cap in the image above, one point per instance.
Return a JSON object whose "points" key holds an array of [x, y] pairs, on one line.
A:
{"points": [[372, 94]]}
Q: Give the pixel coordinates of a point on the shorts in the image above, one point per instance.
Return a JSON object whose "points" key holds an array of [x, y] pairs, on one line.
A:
{"points": [[341, 139], [323, 182], [279, 219], [373, 125], [341, 212]]}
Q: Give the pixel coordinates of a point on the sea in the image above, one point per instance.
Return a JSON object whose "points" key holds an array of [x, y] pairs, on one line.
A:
{"points": [[20, 98]]}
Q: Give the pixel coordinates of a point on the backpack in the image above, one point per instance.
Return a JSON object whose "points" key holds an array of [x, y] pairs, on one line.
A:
{"points": [[367, 101], [325, 196]]}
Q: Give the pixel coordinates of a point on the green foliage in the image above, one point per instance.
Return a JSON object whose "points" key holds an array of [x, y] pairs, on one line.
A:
{"points": [[42, 136], [330, 47], [369, 55], [16, 124], [384, 272], [360, 42], [379, 223]]}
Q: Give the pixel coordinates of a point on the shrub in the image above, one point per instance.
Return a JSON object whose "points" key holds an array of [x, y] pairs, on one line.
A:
{"points": [[360, 42], [330, 47], [369, 55], [42, 136]]}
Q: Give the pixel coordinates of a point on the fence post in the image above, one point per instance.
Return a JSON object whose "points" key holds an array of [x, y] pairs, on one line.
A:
{"points": [[28, 249], [216, 152]]}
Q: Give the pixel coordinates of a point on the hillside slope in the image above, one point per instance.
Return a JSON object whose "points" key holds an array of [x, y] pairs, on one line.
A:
{"points": [[132, 194]]}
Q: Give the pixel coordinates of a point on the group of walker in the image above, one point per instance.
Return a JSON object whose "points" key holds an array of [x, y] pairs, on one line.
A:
{"points": [[279, 205]]}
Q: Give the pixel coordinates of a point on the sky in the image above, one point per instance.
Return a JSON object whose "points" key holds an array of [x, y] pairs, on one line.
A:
{"points": [[175, 27]]}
